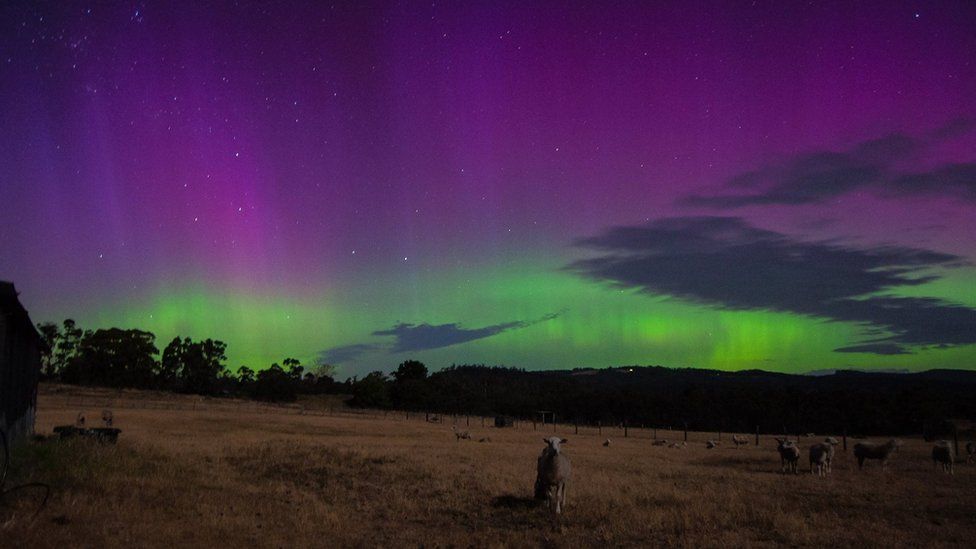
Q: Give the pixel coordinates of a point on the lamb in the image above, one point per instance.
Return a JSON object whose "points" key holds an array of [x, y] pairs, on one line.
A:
{"points": [[553, 472], [870, 450], [970, 452], [711, 444], [942, 455], [681, 444], [606, 443], [789, 454], [739, 441]]}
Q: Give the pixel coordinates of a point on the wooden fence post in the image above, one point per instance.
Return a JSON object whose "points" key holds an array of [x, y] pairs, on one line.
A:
{"points": [[599, 428], [845, 438], [757, 435], [575, 427], [686, 431], [625, 428]]}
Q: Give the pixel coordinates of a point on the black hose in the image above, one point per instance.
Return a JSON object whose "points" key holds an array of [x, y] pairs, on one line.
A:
{"points": [[3, 477]]}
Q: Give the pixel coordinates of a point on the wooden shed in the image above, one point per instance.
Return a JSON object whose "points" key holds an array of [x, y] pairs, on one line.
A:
{"points": [[20, 366]]}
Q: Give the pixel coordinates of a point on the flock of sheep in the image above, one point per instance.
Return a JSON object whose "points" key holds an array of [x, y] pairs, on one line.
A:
{"points": [[553, 469]]}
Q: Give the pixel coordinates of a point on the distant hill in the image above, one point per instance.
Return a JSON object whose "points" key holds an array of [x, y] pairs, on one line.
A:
{"points": [[889, 401]]}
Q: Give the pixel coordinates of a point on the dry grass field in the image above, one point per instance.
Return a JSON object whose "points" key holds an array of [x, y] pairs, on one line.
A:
{"points": [[242, 478]]}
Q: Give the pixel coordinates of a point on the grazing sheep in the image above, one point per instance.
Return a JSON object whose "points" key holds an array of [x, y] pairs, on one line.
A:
{"points": [[739, 441], [107, 417], [789, 454], [606, 443], [970, 452], [711, 444], [942, 455], [871, 450], [681, 444], [486, 439], [553, 472], [831, 443], [819, 458], [662, 442], [80, 420], [461, 434]]}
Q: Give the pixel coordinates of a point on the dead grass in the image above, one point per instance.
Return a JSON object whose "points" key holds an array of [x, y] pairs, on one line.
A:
{"points": [[224, 478]]}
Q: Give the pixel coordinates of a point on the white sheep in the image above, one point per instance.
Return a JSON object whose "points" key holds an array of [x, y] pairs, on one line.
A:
{"points": [[553, 472], [711, 444], [789, 454], [819, 459], [461, 434], [871, 450], [739, 441], [942, 455], [606, 443], [831, 443]]}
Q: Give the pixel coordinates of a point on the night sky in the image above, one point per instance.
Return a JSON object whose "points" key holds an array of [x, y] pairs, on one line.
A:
{"points": [[782, 186]]}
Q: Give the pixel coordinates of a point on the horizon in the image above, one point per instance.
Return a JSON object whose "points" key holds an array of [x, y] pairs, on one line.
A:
{"points": [[777, 187]]}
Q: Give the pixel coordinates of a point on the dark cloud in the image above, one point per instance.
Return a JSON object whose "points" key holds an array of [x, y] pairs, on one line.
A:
{"points": [[875, 348], [871, 165], [724, 262], [954, 179], [418, 337], [346, 353]]}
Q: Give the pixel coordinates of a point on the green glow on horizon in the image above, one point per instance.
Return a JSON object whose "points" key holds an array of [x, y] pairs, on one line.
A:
{"points": [[597, 325]]}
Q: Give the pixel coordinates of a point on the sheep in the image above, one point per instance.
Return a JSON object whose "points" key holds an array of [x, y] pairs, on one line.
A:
{"points": [[942, 455], [553, 472], [870, 450], [739, 441], [681, 444], [970, 452], [789, 455], [486, 439], [711, 444], [819, 458], [606, 443], [662, 442], [461, 434], [831, 443], [107, 418]]}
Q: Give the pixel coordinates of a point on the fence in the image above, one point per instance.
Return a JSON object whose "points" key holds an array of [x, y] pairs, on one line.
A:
{"points": [[623, 429]]}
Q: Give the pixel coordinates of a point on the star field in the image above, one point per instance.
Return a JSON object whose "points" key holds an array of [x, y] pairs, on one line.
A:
{"points": [[331, 181]]}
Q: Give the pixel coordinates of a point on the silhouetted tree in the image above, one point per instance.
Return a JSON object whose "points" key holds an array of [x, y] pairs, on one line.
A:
{"points": [[50, 334], [410, 370], [114, 357], [274, 383], [371, 392]]}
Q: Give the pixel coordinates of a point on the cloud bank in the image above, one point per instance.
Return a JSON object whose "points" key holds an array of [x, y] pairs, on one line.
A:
{"points": [[726, 263]]}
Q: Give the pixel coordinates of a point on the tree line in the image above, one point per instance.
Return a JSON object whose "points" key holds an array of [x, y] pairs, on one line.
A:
{"points": [[653, 396], [129, 358]]}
